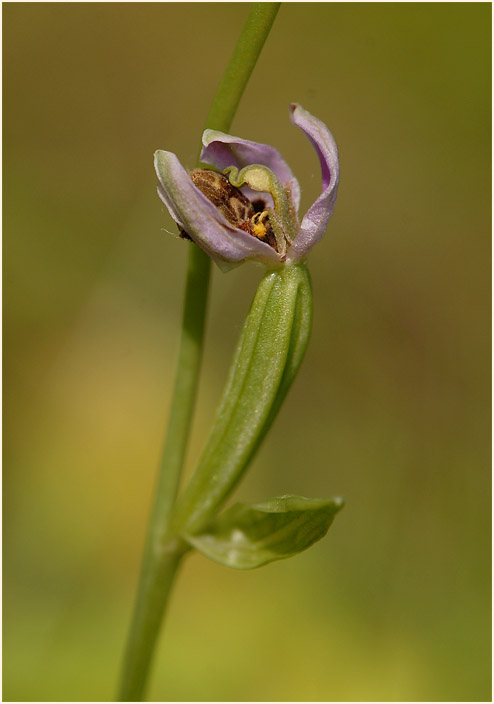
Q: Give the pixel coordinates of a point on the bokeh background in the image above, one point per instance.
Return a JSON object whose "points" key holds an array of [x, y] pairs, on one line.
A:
{"points": [[391, 408]]}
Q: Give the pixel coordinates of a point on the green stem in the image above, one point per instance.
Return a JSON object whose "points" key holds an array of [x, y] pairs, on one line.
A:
{"points": [[241, 64], [163, 551]]}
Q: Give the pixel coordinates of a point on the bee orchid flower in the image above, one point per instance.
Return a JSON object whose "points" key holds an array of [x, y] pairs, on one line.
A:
{"points": [[245, 205]]}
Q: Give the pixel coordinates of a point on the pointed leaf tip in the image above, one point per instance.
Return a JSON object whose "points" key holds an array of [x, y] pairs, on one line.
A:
{"points": [[248, 536]]}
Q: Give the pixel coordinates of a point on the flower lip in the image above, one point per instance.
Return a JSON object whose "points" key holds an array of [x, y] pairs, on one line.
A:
{"points": [[203, 222], [226, 242], [234, 205]]}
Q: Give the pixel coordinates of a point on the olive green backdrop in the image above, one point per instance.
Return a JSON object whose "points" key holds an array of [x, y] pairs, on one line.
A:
{"points": [[390, 410]]}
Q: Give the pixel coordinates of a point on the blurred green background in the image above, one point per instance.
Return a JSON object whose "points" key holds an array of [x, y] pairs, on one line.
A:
{"points": [[391, 408]]}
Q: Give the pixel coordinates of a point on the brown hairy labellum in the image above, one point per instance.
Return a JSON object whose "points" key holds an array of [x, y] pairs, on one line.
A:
{"points": [[233, 205]]}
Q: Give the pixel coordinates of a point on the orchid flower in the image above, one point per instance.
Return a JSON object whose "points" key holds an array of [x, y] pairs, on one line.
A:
{"points": [[245, 206]]}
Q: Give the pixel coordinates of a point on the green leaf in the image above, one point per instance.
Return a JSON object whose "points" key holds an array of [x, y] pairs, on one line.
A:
{"points": [[268, 356], [246, 536]]}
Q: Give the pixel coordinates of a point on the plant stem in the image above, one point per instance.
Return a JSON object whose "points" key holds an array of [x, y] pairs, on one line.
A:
{"points": [[163, 551], [241, 64]]}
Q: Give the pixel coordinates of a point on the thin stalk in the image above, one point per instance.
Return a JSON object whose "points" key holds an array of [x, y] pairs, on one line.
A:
{"points": [[241, 64], [163, 551]]}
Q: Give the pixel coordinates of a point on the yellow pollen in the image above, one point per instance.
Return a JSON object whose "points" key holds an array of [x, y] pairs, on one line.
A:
{"points": [[258, 225]]}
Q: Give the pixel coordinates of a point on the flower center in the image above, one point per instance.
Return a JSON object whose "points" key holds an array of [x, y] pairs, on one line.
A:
{"points": [[258, 225], [236, 208], [260, 178]]}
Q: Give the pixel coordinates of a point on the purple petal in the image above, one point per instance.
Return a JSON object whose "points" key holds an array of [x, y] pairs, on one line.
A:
{"points": [[316, 218], [202, 221], [221, 150]]}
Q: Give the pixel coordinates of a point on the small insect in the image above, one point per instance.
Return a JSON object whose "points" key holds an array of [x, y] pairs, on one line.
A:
{"points": [[236, 208]]}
